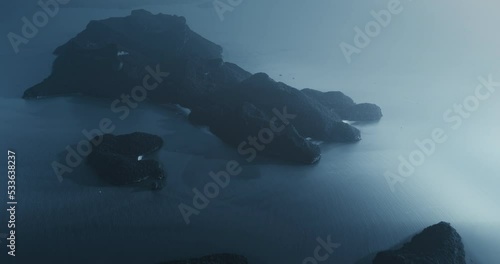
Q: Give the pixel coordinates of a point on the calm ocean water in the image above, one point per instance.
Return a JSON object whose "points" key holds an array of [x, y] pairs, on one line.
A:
{"points": [[272, 212]]}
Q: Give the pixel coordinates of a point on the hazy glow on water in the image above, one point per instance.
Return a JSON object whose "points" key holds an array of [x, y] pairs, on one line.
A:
{"points": [[427, 60], [345, 195]]}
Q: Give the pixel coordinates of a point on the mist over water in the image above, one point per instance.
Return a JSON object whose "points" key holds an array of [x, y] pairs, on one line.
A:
{"points": [[427, 60]]}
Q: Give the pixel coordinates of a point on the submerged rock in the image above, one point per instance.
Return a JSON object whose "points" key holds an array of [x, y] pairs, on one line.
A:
{"points": [[118, 159], [213, 259], [437, 244]]}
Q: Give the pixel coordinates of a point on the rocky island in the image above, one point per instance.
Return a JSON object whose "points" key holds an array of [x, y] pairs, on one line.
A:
{"points": [[119, 159], [112, 56]]}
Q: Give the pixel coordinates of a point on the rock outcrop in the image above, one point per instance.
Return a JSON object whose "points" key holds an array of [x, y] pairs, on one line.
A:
{"points": [[312, 119], [259, 103], [113, 56], [235, 124], [118, 159], [344, 106], [213, 259], [437, 244]]}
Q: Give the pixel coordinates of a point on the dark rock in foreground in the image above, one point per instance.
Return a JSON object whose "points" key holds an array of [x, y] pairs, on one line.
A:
{"points": [[118, 159], [213, 259], [437, 244]]}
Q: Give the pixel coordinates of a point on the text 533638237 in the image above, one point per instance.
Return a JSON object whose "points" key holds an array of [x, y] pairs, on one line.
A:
{"points": [[11, 202]]}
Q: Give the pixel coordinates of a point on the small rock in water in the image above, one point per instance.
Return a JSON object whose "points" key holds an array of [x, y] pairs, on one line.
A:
{"points": [[115, 158]]}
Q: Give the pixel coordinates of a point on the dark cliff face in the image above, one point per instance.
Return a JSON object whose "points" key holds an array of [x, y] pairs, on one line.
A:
{"points": [[111, 57], [437, 244]]}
